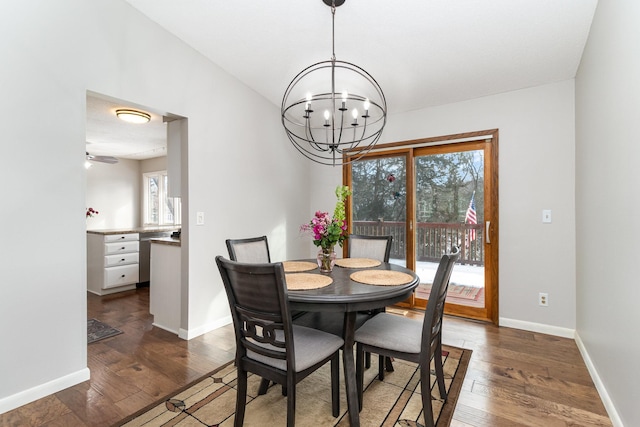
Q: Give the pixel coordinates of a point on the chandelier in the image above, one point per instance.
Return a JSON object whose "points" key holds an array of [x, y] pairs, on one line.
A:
{"points": [[333, 108]]}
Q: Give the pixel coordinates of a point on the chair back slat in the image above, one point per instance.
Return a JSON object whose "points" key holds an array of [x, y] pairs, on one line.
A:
{"points": [[250, 250], [373, 247]]}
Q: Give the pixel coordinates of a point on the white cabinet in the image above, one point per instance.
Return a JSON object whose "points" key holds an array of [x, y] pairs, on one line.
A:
{"points": [[112, 262], [165, 292]]}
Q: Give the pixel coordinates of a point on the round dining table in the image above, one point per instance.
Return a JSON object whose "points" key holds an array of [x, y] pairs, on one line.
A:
{"points": [[347, 296]]}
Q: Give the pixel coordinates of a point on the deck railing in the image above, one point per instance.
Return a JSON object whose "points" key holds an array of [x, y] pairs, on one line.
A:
{"points": [[432, 239]]}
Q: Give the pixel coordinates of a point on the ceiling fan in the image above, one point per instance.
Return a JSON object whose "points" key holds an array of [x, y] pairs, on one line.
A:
{"points": [[102, 159]]}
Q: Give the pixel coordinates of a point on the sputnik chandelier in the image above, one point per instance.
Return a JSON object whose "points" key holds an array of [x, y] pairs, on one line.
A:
{"points": [[325, 125]]}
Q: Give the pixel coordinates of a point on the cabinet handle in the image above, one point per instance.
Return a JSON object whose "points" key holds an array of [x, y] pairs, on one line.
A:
{"points": [[122, 248], [122, 237], [122, 260], [123, 275]]}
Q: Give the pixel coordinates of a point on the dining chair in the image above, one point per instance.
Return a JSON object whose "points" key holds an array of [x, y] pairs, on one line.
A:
{"points": [[374, 247], [359, 246], [417, 341], [267, 343], [378, 248], [252, 249]]}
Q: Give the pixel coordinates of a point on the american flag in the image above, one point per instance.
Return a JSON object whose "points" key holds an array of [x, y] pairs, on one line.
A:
{"points": [[470, 218]]}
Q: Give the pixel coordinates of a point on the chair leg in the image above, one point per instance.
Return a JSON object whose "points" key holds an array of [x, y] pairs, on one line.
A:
{"points": [[389, 364], [241, 398], [381, 368], [291, 402], [359, 373], [425, 390], [264, 385], [367, 360], [335, 384], [437, 359]]}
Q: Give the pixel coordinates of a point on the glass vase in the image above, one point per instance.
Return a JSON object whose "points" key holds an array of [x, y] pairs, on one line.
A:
{"points": [[326, 259]]}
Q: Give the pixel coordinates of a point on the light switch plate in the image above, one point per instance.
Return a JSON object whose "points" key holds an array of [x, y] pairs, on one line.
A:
{"points": [[199, 218], [546, 216]]}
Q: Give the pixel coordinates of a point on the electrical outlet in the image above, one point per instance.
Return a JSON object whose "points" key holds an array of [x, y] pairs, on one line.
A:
{"points": [[543, 299]]}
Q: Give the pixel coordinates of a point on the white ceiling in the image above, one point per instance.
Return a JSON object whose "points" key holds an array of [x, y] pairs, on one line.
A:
{"points": [[422, 52], [109, 136]]}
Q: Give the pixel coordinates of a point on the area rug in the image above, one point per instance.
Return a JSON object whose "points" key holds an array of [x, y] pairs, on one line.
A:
{"points": [[394, 402], [96, 331]]}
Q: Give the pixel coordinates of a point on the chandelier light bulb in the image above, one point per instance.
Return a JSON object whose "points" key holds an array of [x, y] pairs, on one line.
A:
{"points": [[354, 113]]}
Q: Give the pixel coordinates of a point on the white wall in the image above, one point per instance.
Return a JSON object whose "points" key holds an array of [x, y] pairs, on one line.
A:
{"points": [[114, 191], [153, 165], [607, 205], [245, 177], [536, 167]]}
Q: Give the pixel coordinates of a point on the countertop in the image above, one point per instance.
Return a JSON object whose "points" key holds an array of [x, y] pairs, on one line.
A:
{"points": [[166, 241], [148, 229]]}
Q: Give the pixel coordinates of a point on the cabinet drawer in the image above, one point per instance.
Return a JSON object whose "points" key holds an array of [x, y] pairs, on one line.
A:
{"points": [[120, 247], [120, 276], [121, 237], [123, 259]]}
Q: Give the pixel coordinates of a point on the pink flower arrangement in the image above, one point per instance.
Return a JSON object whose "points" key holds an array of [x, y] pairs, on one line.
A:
{"points": [[328, 231]]}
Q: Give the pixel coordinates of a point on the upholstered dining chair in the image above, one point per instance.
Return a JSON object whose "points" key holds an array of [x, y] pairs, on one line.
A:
{"points": [[252, 249], [267, 343], [359, 246], [417, 341], [373, 247]]}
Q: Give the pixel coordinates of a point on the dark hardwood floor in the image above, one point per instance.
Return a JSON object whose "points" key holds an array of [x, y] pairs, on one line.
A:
{"points": [[515, 378]]}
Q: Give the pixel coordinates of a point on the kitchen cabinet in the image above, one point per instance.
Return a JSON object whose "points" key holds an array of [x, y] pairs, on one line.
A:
{"points": [[112, 262]]}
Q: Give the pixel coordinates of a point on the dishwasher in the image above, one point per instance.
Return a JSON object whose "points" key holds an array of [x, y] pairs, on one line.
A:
{"points": [[145, 254]]}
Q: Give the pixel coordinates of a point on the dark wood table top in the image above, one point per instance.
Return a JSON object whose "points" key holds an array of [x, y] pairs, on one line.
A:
{"points": [[347, 295]]}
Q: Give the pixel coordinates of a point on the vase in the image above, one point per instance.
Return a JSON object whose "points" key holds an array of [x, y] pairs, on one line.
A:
{"points": [[326, 259]]}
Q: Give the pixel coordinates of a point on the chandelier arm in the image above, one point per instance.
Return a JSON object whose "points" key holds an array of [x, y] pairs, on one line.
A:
{"points": [[309, 135]]}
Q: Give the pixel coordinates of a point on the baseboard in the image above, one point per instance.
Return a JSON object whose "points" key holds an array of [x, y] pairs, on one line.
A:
{"points": [[187, 334], [27, 396], [538, 327], [602, 391]]}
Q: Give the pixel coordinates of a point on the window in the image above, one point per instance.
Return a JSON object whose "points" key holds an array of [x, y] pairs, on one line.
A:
{"points": [[159, 209]]}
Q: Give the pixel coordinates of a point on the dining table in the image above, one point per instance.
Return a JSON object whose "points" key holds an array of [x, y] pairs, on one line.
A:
{"points": [[356, 285]]}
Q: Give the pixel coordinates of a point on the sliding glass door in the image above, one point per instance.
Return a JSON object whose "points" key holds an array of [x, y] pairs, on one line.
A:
{"points": [[431, 198]]}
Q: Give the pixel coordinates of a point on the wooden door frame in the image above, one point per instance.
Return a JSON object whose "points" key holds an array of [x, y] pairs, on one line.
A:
{"points": [[407, 149]]}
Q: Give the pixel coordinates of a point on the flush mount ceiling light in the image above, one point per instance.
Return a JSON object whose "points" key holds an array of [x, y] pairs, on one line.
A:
{"points": [[324, 124], [133, 116]]}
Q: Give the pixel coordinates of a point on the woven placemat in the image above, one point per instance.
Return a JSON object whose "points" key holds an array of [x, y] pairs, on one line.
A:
{"points": [[381, 277], [306, 281], [297, 266], [357, 262]]}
